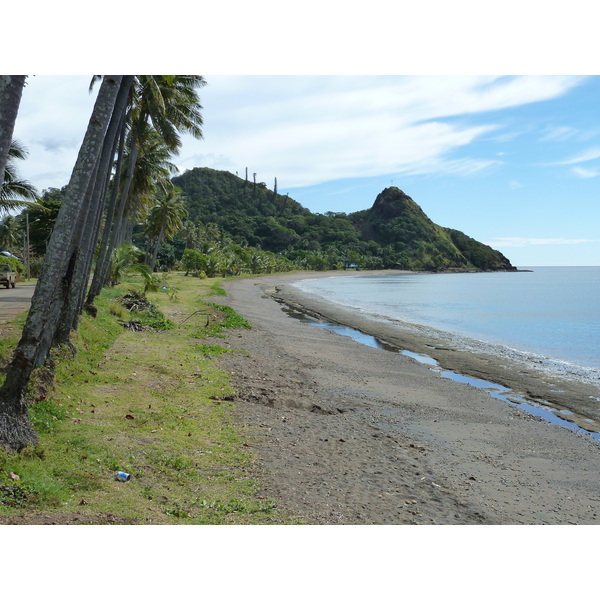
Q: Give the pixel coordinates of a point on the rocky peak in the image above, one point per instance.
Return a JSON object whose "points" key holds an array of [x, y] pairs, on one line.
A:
{"points": [[393, 202]]}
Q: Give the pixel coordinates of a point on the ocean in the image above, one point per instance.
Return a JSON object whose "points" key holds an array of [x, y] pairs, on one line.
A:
{"points": [[548, 314]]}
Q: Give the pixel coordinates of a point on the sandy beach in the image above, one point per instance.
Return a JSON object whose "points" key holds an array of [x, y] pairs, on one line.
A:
{"points": [[345, 433]]}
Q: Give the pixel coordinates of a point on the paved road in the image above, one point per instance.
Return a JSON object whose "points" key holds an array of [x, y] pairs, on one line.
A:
{"points": [[15, 301]]}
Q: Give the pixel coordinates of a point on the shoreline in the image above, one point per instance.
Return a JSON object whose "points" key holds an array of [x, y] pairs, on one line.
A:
{"points": [[344, 433], [524, 377]]}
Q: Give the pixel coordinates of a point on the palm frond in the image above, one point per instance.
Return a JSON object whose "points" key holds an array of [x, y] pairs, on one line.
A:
{"points": [[16, 193], [17, 151], [93, 82]]}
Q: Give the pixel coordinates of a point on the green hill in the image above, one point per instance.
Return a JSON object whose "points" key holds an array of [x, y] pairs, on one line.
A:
{"points": [[396, 222], [393, 233]]}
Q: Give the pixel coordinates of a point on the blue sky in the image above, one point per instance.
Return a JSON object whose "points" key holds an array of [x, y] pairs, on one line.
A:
{"points": [[512, 161]]}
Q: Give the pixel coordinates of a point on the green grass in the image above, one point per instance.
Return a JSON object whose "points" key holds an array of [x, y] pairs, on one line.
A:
{"points": [[231, 321], [208, 350], [217, 289], [146, 403], [9, 336], [45, 416], [155, 320]]}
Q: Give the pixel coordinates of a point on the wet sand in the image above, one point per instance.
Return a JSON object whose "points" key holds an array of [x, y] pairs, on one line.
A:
{"points": [[349, 434], [577, 401]]}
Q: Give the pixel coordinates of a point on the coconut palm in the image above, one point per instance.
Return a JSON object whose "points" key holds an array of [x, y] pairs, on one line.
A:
{"points": [[165, 219], [190, 233], [56, 276], [10, 232], [170, 103], [152, 173], [89, 224], [122, 259], [213, 263], [16, 192]]}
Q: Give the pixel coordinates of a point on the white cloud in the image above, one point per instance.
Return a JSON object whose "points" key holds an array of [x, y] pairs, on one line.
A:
{"points": [[53, 116], [509, 136], [585, 156], [303, 130], [518, 242], [564, 133], [558, 134], [307, 130], [214, 161], [585, 173]]}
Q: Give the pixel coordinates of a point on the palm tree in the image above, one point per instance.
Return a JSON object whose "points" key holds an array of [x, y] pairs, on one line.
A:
{"points": [[171, 104], [11, 90], [9, 232], [89, 225], [122, 259], [16, 192], [191, 235], [55, 279], [213, 263], [165, 219], [152, 173]]}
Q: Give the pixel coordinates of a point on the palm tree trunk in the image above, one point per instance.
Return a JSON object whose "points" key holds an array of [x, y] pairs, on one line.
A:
{"points": [[15, 427], [131, 219], [87, 241], [75, 284], [11, 90], [103, 255], [117, 233], [157, 246]]}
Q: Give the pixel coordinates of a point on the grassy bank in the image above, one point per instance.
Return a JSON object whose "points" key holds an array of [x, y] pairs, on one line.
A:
{"points": [[151, 403]]}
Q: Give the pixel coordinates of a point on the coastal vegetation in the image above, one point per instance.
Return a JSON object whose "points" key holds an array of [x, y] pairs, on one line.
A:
{"points": [[393, 233], [163, 416], [121, 168]]}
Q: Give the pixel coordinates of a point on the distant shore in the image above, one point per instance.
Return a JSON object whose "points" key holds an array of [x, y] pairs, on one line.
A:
{"points": [[350, 434]]}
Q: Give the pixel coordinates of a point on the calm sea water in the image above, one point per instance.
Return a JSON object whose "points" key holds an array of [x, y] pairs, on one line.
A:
{"points": [[551, 313]]}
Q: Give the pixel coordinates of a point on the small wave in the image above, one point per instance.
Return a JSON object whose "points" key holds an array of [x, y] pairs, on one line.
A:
{"points": [[549, 366]]}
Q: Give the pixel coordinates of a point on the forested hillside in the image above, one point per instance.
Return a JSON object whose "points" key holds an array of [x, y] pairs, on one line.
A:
{"points": [[394, 233]]}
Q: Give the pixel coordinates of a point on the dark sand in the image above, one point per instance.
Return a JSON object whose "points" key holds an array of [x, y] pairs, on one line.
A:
{"points": [[349, 434]]}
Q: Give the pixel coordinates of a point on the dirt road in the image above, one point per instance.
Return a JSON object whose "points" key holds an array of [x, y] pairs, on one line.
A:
{"points": [[15, 301]]}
